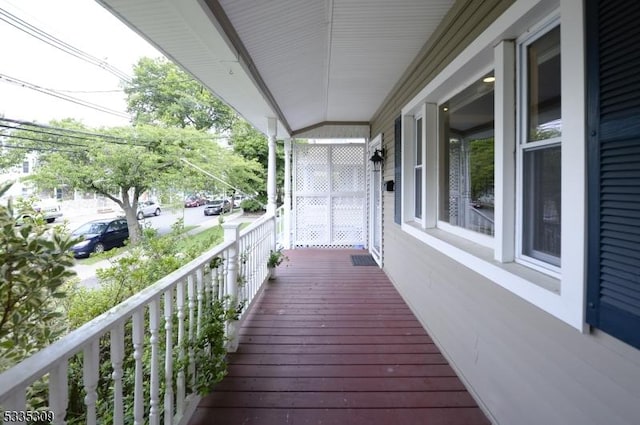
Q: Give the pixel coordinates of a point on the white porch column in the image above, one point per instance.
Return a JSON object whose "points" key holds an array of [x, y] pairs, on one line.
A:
{"points": [[271, 169], [287, 193]]}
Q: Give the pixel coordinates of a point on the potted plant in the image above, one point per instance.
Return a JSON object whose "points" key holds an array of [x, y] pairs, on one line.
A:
{"points": [[276, 257]]}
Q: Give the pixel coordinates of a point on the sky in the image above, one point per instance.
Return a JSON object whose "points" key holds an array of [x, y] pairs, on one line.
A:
{"points": [[85, 25]]}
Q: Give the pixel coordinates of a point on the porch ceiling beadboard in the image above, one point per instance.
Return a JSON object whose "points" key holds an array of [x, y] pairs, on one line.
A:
{"points": [[306, 62]]}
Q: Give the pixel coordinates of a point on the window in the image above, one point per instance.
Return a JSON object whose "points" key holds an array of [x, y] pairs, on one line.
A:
{"points": [[467, 158], [417, 173], [397, 132], [25, 167], [539, 148]]}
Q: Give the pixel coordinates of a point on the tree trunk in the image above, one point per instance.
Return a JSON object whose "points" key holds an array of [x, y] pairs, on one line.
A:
{"points": [[132, 224], [130, 210]]}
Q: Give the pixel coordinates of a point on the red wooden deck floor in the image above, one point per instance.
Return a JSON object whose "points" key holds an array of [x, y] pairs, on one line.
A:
{"points": [[333, 343]]}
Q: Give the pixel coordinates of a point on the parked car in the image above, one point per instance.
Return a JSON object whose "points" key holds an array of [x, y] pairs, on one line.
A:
{"points": [[148, 208], [47, 209], [99, 236], [194, 201], [217, 206]]}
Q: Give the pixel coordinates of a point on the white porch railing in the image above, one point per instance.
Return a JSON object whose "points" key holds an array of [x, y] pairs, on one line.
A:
{"points": [[170, 310]]}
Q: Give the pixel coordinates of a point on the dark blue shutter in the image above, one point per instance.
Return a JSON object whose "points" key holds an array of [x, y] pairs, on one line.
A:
{"points": [[613, 95], [397, 143]]}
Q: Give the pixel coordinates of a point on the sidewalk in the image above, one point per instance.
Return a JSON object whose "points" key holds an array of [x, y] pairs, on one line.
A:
{"points": [[87, 272]]}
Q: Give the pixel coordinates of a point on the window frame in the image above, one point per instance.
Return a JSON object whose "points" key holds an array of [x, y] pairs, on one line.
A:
{"points": [[418, 165], [476, 237], [562, 295], [523, 145]]}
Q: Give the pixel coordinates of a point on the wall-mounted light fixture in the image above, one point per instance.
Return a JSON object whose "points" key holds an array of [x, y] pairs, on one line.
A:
{"points": [[377, 158]]}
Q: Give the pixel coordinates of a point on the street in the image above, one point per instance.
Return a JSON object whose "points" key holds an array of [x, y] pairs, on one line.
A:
{"points": [[162, 223]]}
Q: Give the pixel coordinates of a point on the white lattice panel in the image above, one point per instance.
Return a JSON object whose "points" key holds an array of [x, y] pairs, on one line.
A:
{"points": [[347, 170], [311, 169], [330, 195], [454, 181], [312, 222], [347, 221]]}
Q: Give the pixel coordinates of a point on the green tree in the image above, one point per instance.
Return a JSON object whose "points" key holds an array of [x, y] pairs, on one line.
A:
{"points": [[237, 171], [160, 92], [481, 167], [121, 166], [10, 152], [252, 145]]}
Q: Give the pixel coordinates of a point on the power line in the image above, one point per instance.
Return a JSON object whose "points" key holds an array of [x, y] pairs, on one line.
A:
{"points": [[10, 127], [71, 133], [13, 136], [82, 135], [37, 149], [62, 96], [55, 42], [90, 91]]}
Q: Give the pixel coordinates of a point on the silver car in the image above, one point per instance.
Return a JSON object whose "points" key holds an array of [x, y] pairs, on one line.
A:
{"points": [[148, 208]]}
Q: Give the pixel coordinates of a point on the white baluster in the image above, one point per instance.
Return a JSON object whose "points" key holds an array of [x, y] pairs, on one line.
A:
{"points": [[90, 364], [191, 305], [138, 346], [16, 403], [154, 313], [214, 284], [117, 356], [59, 392], [168, 357], [180, 378], [208, 290], [231, 234], [199, 296], [220, 278], [244, 270]]}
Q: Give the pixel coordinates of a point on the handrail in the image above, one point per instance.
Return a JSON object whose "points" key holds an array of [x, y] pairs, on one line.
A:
{"points": [[21, 374], [177, 299], [481, 214]]}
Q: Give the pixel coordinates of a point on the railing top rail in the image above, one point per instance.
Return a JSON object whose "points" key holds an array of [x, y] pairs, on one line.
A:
{"points": [[32, 368], [481, 214]]}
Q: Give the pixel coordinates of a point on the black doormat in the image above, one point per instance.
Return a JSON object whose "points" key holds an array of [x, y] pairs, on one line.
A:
{"points": [[363, 260]]}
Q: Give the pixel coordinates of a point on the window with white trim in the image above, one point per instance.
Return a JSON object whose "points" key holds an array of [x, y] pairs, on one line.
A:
{"points": [[466, 186], [539, 159], [539, 146], [417, 168]]}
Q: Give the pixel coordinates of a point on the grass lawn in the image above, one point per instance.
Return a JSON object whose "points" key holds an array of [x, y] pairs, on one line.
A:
{"points": [[121, 250], [215, 234], [95, 258]]}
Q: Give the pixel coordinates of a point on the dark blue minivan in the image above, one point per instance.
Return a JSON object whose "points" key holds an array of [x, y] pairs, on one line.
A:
{"points": [[99, 236]]}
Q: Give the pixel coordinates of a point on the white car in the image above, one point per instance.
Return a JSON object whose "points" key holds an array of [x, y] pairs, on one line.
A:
{"points": [[147, 208], [49, 210]]}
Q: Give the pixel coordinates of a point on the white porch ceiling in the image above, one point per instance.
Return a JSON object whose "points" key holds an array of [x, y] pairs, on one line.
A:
{"points": [[322, 67]]}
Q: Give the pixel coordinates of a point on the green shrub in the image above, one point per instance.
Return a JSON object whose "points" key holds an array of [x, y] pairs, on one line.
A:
{"points": [[251, 205], [154, 258], [34, 265]]}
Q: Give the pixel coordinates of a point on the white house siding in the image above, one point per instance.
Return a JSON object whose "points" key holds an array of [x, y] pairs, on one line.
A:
{"points": [[523, 365]]}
